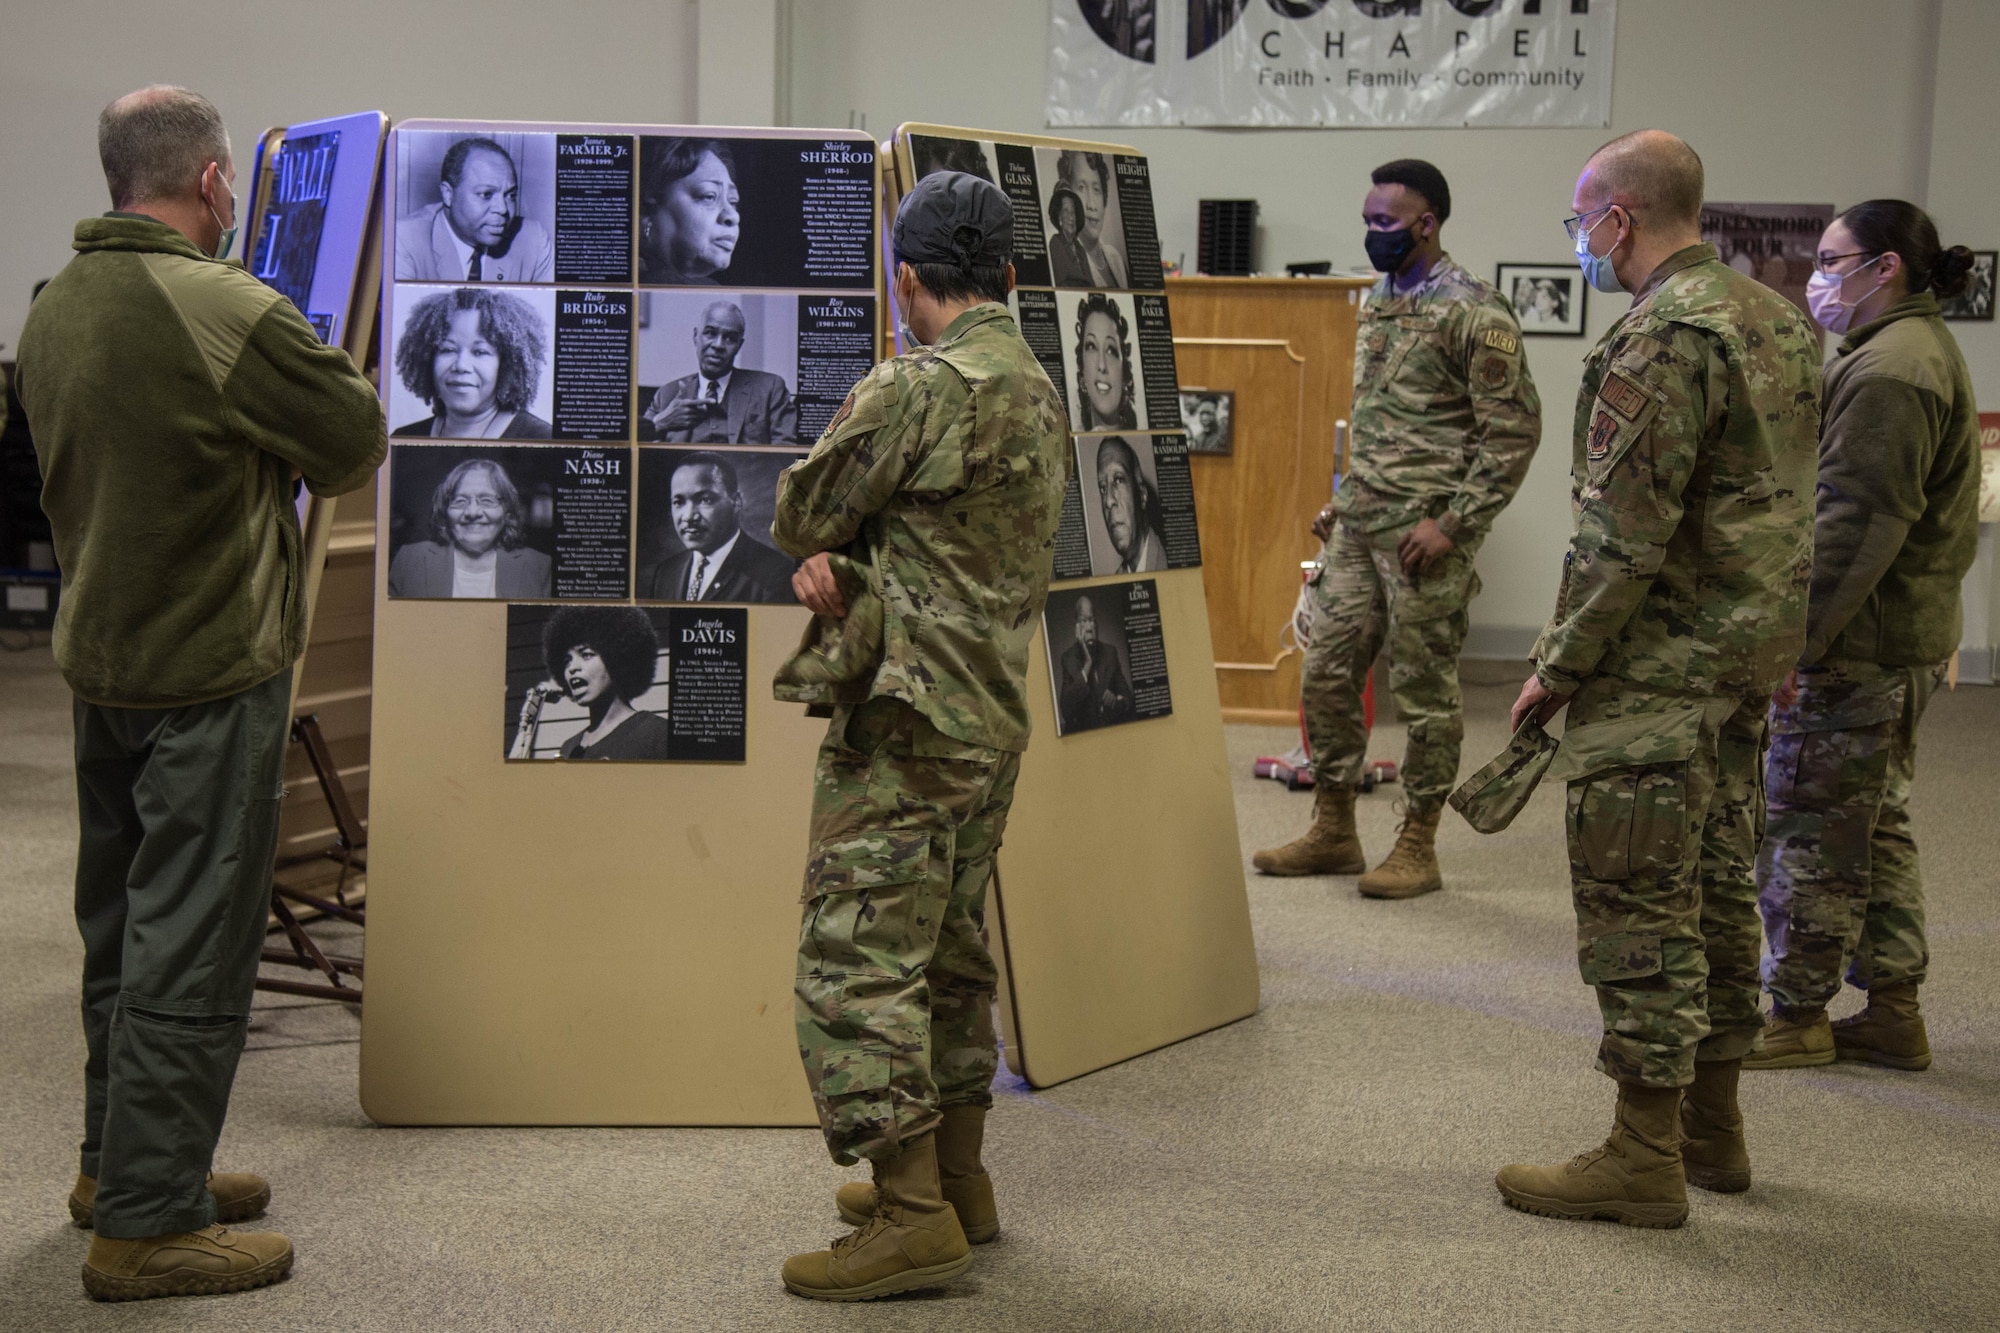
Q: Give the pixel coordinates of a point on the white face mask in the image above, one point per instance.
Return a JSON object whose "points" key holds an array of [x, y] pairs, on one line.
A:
{"points": [[227, 241], [1823, 297]]}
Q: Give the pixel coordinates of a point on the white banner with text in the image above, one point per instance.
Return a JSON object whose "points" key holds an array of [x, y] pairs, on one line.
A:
{"points": [[1361, 63]]}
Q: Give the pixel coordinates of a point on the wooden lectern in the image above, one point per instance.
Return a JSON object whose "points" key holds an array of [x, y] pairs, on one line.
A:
{"points": [[1285, 346]]}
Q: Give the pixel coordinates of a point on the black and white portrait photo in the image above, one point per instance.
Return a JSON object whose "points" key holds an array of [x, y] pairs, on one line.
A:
{"points": [[1122, 514], [1093, 685], [974, 157], [704, 526], [1976, 301], [509, 522], [1103, 362], [471, 363], [1107, 656], [1081, 218], [475, 207], [718, 368], [1208, 416], [469, 532], [587, 682], [1547, 298], [767, 212]]}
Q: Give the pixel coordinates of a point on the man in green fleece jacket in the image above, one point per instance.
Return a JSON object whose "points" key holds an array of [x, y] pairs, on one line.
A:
{"points": [[1895, 530], [175, 403]]}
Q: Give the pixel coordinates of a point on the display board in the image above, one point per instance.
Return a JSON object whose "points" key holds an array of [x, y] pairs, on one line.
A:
{"points": [[309, 232], [1120, 899], [601, 345]]}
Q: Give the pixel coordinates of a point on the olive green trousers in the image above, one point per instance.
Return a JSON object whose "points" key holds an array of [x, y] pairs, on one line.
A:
{"points": [[178, 819]]}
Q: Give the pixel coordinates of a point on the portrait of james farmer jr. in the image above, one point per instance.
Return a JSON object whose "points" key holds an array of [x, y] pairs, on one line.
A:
{"points": [[475, 232], [721, 562], [721, 403]]}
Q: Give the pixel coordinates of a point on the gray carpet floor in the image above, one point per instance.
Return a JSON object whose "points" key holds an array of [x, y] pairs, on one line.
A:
{"points": [[1327, 1163]]}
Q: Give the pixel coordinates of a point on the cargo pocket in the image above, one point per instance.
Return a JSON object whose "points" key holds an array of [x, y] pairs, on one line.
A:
{"points": [[1621, 957], [860, 910], [1628, 776], [1831, 746]]}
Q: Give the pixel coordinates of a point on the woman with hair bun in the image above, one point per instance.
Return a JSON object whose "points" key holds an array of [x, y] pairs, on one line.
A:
{"points": [[1895, 531]]}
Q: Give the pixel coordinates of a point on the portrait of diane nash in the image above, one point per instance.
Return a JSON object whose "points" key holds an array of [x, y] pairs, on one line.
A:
{"points": [[475, 547]]}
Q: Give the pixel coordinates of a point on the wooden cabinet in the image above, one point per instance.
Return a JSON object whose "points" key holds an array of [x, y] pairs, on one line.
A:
{"points": [[1285, 347]]}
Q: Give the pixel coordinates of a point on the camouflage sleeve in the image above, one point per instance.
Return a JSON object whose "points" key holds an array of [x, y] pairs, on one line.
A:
{"points": [[1507, 420], [1644, 430], [868, 448]]}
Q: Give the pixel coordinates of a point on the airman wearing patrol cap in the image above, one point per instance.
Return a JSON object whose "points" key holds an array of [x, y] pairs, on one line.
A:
{"points": [[939, 484]]}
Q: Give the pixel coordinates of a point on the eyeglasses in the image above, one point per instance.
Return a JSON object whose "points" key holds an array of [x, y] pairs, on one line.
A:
{"points": [[1825, 263], [1572, 225], [461, 504]]}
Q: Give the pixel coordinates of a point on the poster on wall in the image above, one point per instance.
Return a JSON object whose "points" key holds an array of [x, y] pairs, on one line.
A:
{"points": [[510, 522], [1976, 301], [1989, 467], [704, 530], [1774, 243], [626, 683], [1107, 655], [1208, 416], [1330, 62]]}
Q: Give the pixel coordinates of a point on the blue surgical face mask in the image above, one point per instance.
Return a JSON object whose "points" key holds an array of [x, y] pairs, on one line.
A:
{"points": [[228, 240], [1597, 270]]}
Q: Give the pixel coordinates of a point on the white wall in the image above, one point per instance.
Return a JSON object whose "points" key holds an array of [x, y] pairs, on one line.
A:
{"points": [[1816, 101], [1756, 88]]}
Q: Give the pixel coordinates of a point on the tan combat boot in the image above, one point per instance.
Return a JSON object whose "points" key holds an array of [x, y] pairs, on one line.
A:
{"points": [[1411, 868], [1330, 847], [965, 1184], [1713, 1153], [1793, 1039], [1634, 1179], [912, 1241], [239, 1196], [186, 1263], [1890, 1031]]}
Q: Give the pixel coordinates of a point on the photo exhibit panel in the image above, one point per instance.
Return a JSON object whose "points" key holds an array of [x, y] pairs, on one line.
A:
{"points": [[595, 180], [475, 206], [745, 212], [466, 362], [1107, 656], [1103, 351], [1082, 219], [1208, 416], [704, 526], [626, 683], [507, 522], [1137, 503], [1012, 168], [308, 238], [1039, 318]]}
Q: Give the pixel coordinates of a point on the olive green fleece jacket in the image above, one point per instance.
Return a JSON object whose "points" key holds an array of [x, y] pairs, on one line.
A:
{"points": [[1897, 523], [170, 396]]}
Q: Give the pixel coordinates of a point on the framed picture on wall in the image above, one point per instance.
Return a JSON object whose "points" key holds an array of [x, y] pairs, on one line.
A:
{"points": [[1548, 299], [1976, 301]]}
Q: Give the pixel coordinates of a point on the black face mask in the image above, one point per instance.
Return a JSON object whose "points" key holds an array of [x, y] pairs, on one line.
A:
{"points": [[1388, 249]]}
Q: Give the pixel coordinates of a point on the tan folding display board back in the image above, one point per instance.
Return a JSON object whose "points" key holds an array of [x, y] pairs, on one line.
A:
{"points": [[1121, 894], [575, 943]]}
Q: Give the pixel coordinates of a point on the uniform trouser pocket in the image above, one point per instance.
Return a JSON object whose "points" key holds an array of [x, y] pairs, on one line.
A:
{"points": [[1629, 821]]}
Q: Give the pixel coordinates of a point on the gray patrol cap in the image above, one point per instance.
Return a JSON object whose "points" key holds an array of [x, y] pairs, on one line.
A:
{"points": [[952, 218]]}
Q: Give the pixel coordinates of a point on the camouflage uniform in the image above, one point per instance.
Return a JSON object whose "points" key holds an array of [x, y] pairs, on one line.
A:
{"points": [[943, 474], [1837, 873], [1682, 605], [1895, 529], [1445, 421]]}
